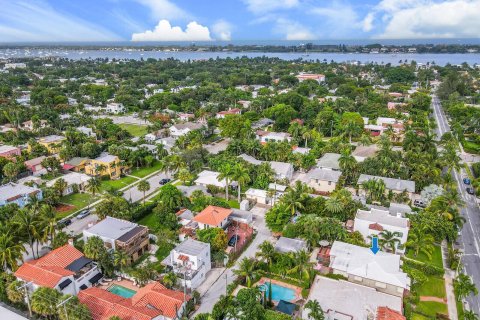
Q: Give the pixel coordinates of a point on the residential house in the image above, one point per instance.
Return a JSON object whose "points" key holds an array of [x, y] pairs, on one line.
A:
{"points": [[151, 302], [374, 221], [361, 153], [301, 150], [118, 234], [343, 300], [153, 136], [87, 131], [289, 245], [9, 152], [76, 164], [19, 194], [186, 116], [115, 108], [391, 184], [323, 180], [380, 271], [244, 103], [35, 166], [210, 178], [223, 114], [213, 217], [191, 261], [105, 165], [373, 129], [311, 76], [52, 143], [283, 170], [65, 269], [329, 161], [76, 182], [181, 129], [30, 125], [269, 136], [396, 124], [263, 124]]}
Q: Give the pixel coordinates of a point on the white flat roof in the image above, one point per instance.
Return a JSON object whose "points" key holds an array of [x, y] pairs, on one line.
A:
{"points": [[111, 228]]}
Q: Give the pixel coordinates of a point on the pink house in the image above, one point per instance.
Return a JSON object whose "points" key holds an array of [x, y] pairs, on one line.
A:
{"points": [[223, 114], [35, 165], [9, 151]]}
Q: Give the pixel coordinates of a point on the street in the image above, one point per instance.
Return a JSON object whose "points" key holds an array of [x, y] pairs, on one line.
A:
{"points": [[133, 194], [470, 236]]}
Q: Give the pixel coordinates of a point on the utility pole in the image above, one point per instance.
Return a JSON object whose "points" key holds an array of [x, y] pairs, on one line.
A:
{"points": [[27, 298], [64, 304]]}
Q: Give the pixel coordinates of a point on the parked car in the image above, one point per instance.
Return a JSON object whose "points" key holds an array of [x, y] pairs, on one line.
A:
{"points": [[64, 223], [233, 240], [164, 181], [466, 181], [470, 190], [419, 203], [83, 214]]}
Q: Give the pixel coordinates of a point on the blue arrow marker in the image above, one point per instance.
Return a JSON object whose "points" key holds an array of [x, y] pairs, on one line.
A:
{"points": [[374, 246]]}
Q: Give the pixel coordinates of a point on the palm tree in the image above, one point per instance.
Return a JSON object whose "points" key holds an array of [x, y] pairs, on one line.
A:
{"points": [[389, 239], [246, 270], [242, 176], [60, 186], [161, 151], [120, 259], [94, 248], [470, 315], [28, 224], [316, 312], [11, 251], [463, 287], [421, 241], [347, 162], [170, 279], [44, 301], [226, 172], [48, 217], [267, 253], [93, 186], [100, 169], [303, 266], [184, 175], [143, 186], [334, 205]]}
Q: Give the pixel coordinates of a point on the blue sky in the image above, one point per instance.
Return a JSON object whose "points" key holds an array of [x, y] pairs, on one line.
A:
{"points": [[205, 20]]}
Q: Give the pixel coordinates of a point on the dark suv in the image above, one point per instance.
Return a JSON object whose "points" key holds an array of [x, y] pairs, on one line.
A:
{"points": [[233, 240]]}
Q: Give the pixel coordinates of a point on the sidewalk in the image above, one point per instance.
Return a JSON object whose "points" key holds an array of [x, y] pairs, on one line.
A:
{"points": [[448, 277]]}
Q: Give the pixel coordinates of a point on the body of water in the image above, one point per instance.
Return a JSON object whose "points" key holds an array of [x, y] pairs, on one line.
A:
{"points": [[136, 54]]}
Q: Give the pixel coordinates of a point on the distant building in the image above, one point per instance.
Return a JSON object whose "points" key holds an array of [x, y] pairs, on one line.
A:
{"points": [[223, 114], [53, 143], [19, 194], [323, 180], [311, 76], [75, 181], [329, 161], [181, 129], [87, 131], [35, 166], [210, 178], [9, 152], [115, 108], [18, 65], [269, 136], [391, 184], [289, 245]]}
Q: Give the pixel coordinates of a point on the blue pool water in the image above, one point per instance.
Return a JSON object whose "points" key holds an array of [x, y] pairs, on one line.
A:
{"points": [[279, 292], [121, 291]]}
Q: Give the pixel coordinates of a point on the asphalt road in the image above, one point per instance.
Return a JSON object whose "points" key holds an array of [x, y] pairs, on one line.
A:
{"points": [[133, 194], [469, 240]]}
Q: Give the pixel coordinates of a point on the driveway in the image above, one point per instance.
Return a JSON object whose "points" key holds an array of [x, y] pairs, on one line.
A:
{"points": [[219, 287], [78, 225]]}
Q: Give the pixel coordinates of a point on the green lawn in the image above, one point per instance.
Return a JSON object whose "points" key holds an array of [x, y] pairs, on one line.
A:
{"points": [[436, 257], [78, 200], [416, 316], [116, 184], [150, 221], [433, 287], [163, 251], [234, 204], [431, 308], [134, 129], [145, 171]]}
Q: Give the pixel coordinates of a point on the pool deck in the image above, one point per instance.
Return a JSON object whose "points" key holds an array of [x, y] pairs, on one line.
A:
{"points": [[124, 283], [297, 290]]}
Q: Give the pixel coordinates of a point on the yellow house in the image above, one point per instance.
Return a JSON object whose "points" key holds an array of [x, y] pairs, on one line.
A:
{"points": [[105, 165], [53, 143]]}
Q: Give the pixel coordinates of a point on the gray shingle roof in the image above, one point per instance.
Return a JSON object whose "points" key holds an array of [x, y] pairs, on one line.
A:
{"points": [[324, 175], [390, 183], [329, 160]]}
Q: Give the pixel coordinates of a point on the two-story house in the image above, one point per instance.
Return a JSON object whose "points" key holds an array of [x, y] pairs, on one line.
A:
{"points": [[213, 217], [105, 165], [395, 185], [65, 269], [118, 234], [53, 143], [191, 261], [19, 194]]}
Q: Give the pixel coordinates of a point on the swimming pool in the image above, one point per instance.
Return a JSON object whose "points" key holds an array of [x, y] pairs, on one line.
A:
{"points": [[121, 291], [279, 292]]}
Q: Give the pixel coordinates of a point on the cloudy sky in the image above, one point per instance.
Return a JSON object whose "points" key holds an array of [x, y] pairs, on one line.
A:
{"points": [[205, 20]]}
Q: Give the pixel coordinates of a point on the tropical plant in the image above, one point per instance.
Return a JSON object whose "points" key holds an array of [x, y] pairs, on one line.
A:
{"points": [[60, 186], [44, 301], [316, 312], [421, 241], [246, 270], [11, 251], [303, 267], [389, 240], [463, 287], [94, 248], [226, 172], [242, 176], [143, 186], [267, 253], [169, 280], [120, 259]]}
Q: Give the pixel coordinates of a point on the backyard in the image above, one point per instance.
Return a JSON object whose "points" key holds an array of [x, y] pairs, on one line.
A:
{"points": [[74, 202], [145, 171], [134, 129], [114, 185]]}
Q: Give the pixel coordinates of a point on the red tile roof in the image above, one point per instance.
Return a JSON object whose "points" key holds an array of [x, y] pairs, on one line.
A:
{"points": [[49, 269], [149, 302], [212, 215], [375, 226], [385, 313]]}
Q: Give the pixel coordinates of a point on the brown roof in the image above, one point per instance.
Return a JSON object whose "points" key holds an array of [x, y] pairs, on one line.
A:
{"points": [[385, 313], [212, 215], [51, 268], [375, 226]]}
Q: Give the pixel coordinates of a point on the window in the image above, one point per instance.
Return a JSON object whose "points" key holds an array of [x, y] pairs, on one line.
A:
{"points": [[329, 183]]}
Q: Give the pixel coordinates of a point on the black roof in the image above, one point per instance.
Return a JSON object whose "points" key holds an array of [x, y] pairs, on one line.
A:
{"points": [[130, 234], [286, 307], [64, 283], [83, 287], [78, 264], [95, 278]]}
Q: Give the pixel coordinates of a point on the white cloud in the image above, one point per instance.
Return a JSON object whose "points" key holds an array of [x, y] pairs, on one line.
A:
{"points": [[165, 9], [38, 21], [164, 31], [264, 6], [222, 30], [367, 23], [429, 19], [339, 19], [293, 30]]}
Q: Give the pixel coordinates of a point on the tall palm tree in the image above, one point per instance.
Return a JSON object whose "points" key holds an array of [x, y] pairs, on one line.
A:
{"points": [[316, 312], [48, 217], [246, 270], [267, 253], [28, 224], [347, 162], [93, 186], [470, 315], [143, 186], [60, 186], [120, 259], [389, 239], [11, 251], [226, 172], [242, 176], [303, 266], [463, 287], [421, 241]]}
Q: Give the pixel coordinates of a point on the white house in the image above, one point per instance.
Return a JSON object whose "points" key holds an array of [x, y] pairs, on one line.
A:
{"points": [[380, 271], [19, 194], [289, 245], [87, 131], [395, 185], [269, 136], [73, 180], [311, 76], [181, 129], [373, 222], [115, 108], [283, 170], [206, 178], [190, 260], [329, 161], [323, 180]]}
